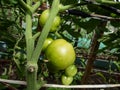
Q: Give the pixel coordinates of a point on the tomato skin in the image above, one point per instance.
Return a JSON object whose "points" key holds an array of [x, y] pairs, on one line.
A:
{"points": [[43, 18], [60, 54], [66, 80], [71, 70], [46, 43]]}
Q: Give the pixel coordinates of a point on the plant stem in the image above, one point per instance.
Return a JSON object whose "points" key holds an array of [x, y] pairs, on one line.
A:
{"points": [[37, 4], [107, 2], [31, 68], [93, 51], [24, 5], [32, 76], [32, 52], [53, 12], [28, 35], [66, 7]]}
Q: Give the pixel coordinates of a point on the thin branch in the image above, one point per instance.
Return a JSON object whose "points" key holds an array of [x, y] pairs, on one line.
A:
{"points": [[107, 5], [94, 16], [36, 35], [66, 7], [9, 86], [36, 5], [93, 51], [111, 9], [109, 2], [63, 86], [24, 5]]}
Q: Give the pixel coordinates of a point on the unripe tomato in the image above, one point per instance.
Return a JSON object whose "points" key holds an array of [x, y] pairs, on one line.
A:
{"points": [[43, 18], [71, 70], [46, 43], [66, 80], [60, 54]]}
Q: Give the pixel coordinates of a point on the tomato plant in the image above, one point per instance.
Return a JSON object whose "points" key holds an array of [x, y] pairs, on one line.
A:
{"points": [[85, 23]]}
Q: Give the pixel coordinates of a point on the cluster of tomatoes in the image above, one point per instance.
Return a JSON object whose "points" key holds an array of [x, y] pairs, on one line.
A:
{"points": [[59, 52]]}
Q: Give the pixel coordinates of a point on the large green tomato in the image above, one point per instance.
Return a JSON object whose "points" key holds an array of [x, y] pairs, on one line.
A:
{"points": [[71, 70], [66, 80], [43, 18], [46, 43], [60, 54]]}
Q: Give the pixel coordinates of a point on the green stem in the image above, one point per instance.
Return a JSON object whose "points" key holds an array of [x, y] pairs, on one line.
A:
{"points": [[107, 2], [37, 4], [31, 68], [28, 35], [66, 7], [29, 2], [25, 6], [36, 35], [33, 54], [32, 76], [53, 12]]}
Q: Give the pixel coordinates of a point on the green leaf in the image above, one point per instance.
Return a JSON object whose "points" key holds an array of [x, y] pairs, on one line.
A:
{"points": [[88, 24], [66, 2], [115, 23]]}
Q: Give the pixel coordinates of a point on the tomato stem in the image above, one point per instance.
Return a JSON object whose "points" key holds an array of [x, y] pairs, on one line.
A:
{"points": [[37, 4], [24, 5], [66, 7], [32, 51], [53, 12]]}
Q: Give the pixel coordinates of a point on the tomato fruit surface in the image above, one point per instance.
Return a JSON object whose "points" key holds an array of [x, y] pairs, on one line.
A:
{"points": [[46, 43], [66, 80], [60, 54], [71, 70], [43, 18]]}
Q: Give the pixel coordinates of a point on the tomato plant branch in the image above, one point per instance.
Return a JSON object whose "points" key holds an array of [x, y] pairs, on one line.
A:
{"points": [[28, 35], [66, 7], [14, 51], [29, 2], [93, 51], [36, 35], [31, 76], [24, 5], [94, 16], [53, 12], [107, 2], [37, 4], [31, 68], [33, 53]]}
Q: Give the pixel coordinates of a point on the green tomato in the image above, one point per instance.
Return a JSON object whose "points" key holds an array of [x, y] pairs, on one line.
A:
{"points": [[71, 70], [60, 54], [66, 80], [46, 43], [44, 17]]}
